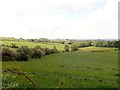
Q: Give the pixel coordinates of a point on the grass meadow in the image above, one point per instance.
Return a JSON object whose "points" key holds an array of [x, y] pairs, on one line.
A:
{"points": [[89, 67], [59, 46]]}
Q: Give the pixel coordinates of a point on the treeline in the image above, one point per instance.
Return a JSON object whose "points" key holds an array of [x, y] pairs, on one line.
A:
{"points": [[80, 43], [21, 39], [103, 43], [100, 43], [24, 53]]}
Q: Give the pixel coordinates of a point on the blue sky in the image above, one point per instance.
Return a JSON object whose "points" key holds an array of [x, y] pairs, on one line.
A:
{"points": [[78, 19]]}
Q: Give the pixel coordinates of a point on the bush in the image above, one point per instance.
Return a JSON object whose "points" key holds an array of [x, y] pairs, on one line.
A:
{"points": [[37, 52], [66, 47], [47, 51], [8, 55], [74, 47], [23, 53], [14, 46], [55, 49], [85, 44]]}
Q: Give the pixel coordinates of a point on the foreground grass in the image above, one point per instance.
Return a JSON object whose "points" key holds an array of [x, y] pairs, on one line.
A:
{"points": [[72, 69]]}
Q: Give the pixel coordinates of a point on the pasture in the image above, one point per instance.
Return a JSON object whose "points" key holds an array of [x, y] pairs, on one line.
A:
{"points": [[59, 46], [79, 69]]}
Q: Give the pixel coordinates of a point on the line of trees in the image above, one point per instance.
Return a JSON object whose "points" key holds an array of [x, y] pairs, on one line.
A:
{"points": [[96, 43], [24, 53], [21, 39], [100, 43]]}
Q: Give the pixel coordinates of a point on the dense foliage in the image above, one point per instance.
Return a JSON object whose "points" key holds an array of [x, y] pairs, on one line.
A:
{"points": [[23, 53], [66, 47], [8, 55], [100, 43], [37, 52], [74, 47]]}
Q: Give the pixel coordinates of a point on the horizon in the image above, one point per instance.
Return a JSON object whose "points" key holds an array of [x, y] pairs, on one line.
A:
{"points": [[60, 19], [61, 38]]}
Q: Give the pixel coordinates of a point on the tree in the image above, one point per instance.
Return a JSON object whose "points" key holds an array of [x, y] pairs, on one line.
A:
{"points": [[74, 47], [66, 47], [101, 43], [118, 45], [8, 55], [47, 51], [55, 49], [23, 53], [85, 43], [37, 52]]}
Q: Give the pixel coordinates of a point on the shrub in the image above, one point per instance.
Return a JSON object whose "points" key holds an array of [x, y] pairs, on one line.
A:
{"points": [[47, 51], [37, 52], [55, 49], [66, 47], [23, 53], [8, 55], [85, 44], [74, 47], [52, 51], [14, 46]]}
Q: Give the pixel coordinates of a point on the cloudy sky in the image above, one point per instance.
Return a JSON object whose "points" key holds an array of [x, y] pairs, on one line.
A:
{"points": [[68, 19]]}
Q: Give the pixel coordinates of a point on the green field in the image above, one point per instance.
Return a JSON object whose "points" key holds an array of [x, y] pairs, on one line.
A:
{"points": [[59, 46], [80, 69]]}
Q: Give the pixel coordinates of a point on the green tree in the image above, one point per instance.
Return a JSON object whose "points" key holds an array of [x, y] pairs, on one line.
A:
{"points": [[47, 51], [66, 48], [37, 52], [74, 47], [55, 49], [8, 55], [23, 53]]}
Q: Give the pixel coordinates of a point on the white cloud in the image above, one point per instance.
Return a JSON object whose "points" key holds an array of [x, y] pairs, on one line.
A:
{"points": [[100, 24], [46, 18]]}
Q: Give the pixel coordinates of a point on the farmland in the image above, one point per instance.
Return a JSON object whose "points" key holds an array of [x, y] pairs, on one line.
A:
{"points": [[31, 44], [59, 44], [89, 67]]}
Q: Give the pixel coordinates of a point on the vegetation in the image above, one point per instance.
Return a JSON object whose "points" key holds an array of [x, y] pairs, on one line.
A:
{"points": [[8, 55], [37, 52], [74, 47], [23, 53], [83, 69], [54, 64], [66, 47]]}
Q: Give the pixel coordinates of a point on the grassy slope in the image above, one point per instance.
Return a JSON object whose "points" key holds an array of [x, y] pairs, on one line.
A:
{"points": [[59, 46], [96, 49], [31, 44], [75, 69]]}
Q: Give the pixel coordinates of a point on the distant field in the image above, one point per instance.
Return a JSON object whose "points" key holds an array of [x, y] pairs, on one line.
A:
{"points": [[31, 44], [59, 46], [96, 49], [80, 69]]}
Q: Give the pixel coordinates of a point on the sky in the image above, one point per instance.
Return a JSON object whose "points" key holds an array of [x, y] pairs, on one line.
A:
{"points": [[59, 19]]}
